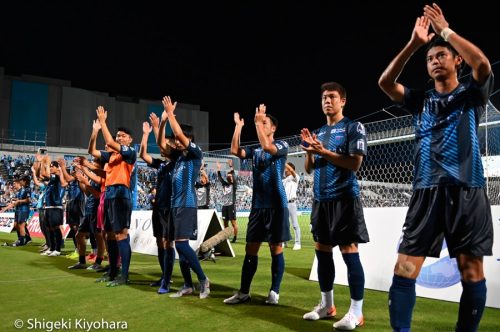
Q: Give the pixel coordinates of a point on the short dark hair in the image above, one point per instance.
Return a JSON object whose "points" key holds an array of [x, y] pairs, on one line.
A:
{"points": [[437, 40], [334, 86], [188, 131], [54, 163], [125, 130], [291, 165], [274, 121]]}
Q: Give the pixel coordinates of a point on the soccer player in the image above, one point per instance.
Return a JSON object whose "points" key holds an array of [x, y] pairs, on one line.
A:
{"points": [[54, 208], [86, 227], [21, 203], [118, 206], [449, 199], [291, 182], [183, 223], [161, 206], [268, 220], [203, 190], [335, 152], [228, 198], [75, 204]]}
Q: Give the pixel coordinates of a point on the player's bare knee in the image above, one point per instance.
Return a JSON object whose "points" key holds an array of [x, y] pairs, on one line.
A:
{"points": [[405, 269]]}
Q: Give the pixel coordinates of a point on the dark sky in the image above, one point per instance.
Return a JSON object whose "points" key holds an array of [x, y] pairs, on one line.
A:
{"points": [[230, 56]]}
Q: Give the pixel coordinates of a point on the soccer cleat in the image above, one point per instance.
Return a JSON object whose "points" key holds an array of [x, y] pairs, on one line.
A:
{"points": [[104, 278], [73, 255], [28, 241], [54, 253], [237, 298], [348, 322], [296, 246], [44, 248], [77, 266], [273, 297], [94, 267], [320, 312], [234, 240], [185, 290], [164, 288], [17, 244], [120, 280], [204, 289], [46, 252]]}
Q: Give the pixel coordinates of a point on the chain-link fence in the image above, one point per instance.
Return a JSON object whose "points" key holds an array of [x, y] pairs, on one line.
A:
{"points": [[387, 172]]}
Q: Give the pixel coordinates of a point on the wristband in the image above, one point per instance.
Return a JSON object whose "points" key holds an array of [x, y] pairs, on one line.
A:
{"points": [[446, 33]]}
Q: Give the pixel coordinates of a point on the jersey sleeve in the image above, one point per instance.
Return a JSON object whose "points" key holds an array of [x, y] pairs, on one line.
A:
{"points": [[282, 148], [357, 138], [128, 154], [105, 155]]}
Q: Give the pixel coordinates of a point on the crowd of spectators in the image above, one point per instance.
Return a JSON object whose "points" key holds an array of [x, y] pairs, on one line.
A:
{"points": [[372, 195]]}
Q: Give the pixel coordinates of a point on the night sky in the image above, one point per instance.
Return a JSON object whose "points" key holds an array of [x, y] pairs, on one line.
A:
{"points": [[231, 56]]}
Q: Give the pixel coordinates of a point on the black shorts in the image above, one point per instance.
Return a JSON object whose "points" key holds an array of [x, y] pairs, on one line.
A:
{"points": [[21, 216], [54, 217], [228, 212], [75, 210], [117, 214], [88, 223], [268, 225], [182, 224], [160, 217], [338, 222], [460, 215], [41, 219]]}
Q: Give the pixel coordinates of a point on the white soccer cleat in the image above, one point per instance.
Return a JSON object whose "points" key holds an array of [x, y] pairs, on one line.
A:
{"points": [[237, 298], [320, 312], [204, 289], [273, 297], [349, 322], [297, 246], [185, 290], [54, 253]]}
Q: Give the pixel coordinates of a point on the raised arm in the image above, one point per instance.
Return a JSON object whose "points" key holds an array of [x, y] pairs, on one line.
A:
{"points": [[68, 177], [235, 142], [37, 182], [219, 176], [143, 151], [86, 186], [174, 124], [64, 183], [96, 126], [161, 139], [472, 55], [102, 115], [265, 140], [388, 80]]}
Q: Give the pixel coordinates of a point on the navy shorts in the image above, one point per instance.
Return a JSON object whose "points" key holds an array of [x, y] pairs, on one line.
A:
{"points": [[74, 212], [21, 216], [460, 215], [268, 225], [182, 224], [117, 214], [54, 217], [338, 222], [88, 223], [228, 212]]}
